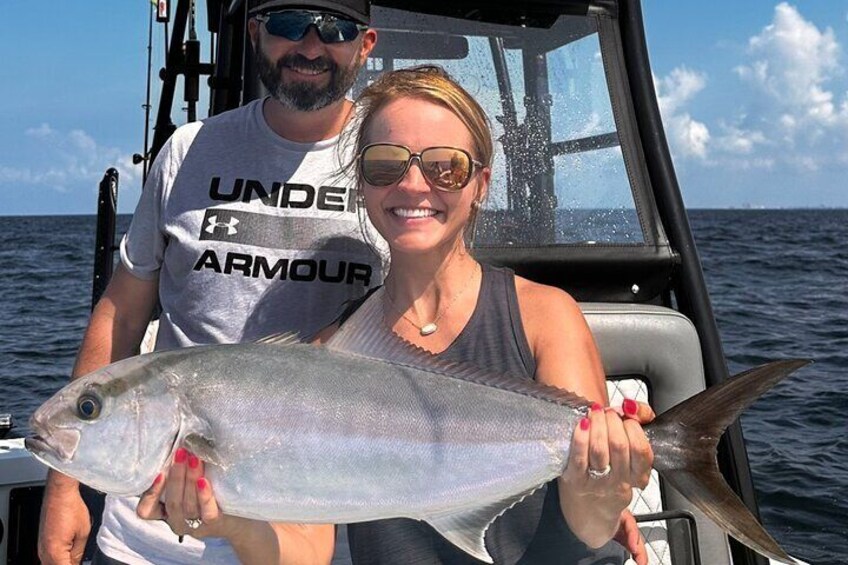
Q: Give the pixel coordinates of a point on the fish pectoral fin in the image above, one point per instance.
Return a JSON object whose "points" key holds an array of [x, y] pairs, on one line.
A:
{"points": [[203, 447], [467, 529]]}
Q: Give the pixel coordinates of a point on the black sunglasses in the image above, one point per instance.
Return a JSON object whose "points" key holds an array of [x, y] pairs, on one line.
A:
{"points": [[445, 168], [293, 25]]}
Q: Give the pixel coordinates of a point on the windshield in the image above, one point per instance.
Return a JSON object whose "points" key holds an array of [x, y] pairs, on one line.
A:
{"points": [[559, 176]]}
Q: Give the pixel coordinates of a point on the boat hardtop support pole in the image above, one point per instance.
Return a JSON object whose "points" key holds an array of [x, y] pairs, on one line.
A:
{"points": [[183, 59], [226, 84], [511, 141], [690, 290], [538, 161], [191, 54]]}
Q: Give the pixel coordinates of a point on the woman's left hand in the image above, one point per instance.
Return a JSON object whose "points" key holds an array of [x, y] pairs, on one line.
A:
{"points": [[190, 507], [609, 456]]}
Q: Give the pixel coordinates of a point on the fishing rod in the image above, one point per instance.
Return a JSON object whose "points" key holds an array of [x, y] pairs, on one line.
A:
{"points": [[147, 96]]}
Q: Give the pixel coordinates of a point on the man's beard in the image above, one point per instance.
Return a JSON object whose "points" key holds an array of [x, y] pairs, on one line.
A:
{"points": [[301, 95]]}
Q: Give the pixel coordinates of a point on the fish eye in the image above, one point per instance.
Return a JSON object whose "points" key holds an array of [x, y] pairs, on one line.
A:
{"points": [[88, 407]]}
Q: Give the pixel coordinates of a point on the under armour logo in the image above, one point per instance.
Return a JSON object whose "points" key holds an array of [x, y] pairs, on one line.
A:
{"points": [[214, 224]]}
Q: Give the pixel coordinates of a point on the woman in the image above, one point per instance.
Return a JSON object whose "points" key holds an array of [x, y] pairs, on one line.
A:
{"points": [[424, 152]]}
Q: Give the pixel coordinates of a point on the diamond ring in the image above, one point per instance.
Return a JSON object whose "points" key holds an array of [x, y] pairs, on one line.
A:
{"points": [[193, 523], [595, 474]]}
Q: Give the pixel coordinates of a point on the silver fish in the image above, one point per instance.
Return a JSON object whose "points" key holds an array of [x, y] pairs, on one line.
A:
{"points": [[365, 428]]}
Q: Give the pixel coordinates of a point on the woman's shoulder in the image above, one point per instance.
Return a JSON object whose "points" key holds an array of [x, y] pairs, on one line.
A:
{"points": [[544, 299], [549, 315]]}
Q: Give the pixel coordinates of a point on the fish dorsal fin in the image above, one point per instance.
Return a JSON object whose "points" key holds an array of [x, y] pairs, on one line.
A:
{"points": [[281, 339], [467, 529], [366, 334]]}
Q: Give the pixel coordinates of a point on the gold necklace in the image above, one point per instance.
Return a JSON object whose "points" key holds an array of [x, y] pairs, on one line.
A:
{"points": [[432, 327]]}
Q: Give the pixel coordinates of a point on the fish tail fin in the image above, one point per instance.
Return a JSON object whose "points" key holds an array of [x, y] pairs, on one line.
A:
{"points": [[685, 439]]}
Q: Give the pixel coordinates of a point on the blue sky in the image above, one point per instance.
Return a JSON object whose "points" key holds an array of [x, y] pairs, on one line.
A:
{"points": [[754, 100]]}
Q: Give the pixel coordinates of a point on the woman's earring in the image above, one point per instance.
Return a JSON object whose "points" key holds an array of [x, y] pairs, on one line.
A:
{"points": [[475, 209]]}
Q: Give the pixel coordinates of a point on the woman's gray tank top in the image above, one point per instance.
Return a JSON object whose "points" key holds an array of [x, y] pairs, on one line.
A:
{"points": [[531, 532]]}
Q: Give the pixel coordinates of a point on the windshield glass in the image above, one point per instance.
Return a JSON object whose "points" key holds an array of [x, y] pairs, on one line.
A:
{"points": [[559, 175]]}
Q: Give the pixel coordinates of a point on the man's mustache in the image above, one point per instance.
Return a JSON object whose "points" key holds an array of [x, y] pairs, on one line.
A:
{"points": [[298, 62]]}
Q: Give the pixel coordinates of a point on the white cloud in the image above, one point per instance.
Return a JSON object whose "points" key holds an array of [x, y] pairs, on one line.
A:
{"points": [[687, 136], [740, 141], [67, 160], [792, 65], [680, 86], [790, 113], [41, 131]]}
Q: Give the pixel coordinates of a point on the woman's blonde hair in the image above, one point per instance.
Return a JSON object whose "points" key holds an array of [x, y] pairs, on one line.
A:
{"points": [[430, 83]]}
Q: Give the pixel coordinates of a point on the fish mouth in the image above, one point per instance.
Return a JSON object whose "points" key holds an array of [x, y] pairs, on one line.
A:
{"points": [[59, 445], [37, 446]]}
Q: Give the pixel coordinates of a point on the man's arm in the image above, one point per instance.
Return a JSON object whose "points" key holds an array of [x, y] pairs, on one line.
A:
{"points": [[114, 332], [118, 322]]}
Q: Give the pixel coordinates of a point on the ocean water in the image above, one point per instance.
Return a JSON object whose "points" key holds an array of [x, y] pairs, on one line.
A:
{"points": [[778, 282]]}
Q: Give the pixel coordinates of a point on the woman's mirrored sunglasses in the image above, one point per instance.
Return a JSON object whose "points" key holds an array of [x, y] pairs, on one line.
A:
{"points": [[444, 168], [293, 25]]}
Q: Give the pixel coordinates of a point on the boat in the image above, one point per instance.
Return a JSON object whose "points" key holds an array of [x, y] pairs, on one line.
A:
{"points": [[584, 197]]}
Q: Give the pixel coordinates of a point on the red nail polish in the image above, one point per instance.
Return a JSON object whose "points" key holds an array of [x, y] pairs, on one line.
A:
{"points": [[596, 407], [180, 455], [158, 479], [201, 483], [584, 424], [193, 461], [630, 407]]}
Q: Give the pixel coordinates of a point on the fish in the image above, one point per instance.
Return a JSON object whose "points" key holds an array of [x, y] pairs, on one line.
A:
{"points": [[367, 427]]}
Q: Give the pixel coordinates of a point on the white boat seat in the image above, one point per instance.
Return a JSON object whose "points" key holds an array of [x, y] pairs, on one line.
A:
{"points": [[652, 354]]}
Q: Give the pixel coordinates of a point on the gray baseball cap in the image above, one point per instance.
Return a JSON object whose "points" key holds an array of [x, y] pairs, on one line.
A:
{"points": [[357, 10]]}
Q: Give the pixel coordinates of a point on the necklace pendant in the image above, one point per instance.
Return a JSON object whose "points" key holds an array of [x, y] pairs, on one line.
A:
{"points": [[428, 329]]}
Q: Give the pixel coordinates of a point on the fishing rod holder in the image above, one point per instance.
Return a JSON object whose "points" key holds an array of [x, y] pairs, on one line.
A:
{"points": [[104, 246]]}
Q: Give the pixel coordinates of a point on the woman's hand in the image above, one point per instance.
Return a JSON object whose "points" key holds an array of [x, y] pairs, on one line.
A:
{"points": [[609, 456], [190, 507]]}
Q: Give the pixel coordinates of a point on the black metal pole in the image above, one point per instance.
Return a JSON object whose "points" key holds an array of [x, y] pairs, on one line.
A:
{"points": [[191, 58], [691, 290], [164, 126], [225, 83], [515, 191], [538, 163]]}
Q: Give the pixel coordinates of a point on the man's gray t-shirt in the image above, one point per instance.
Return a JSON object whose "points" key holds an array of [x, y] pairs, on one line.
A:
{"points": [[250, 234]]}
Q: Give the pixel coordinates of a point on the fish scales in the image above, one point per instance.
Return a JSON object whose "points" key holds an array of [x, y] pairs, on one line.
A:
{"points": [[382, 438]]}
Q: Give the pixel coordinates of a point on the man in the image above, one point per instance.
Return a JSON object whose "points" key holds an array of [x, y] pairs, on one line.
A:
{"points": [[244, 229]]}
